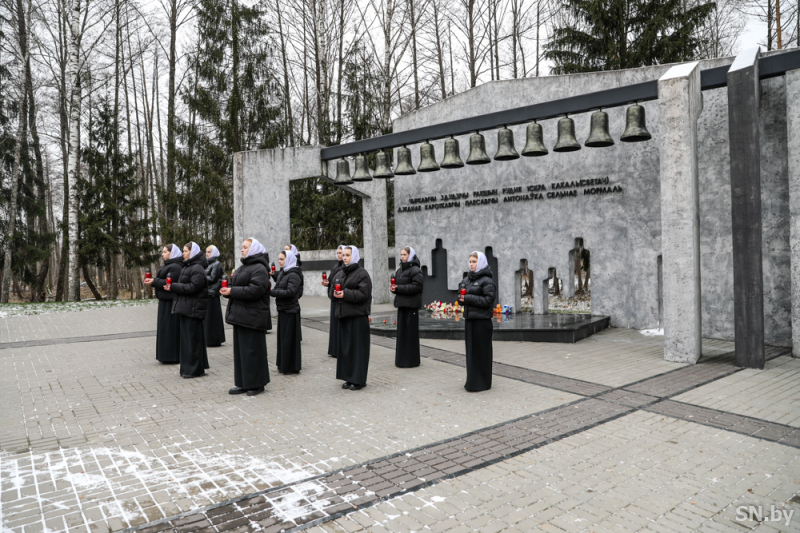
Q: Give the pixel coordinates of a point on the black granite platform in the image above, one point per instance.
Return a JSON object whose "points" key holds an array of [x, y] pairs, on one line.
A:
{"points": [[566, 328]]}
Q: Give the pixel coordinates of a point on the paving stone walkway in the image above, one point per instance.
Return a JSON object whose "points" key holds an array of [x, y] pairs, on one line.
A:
{"points": [[97, 436]]}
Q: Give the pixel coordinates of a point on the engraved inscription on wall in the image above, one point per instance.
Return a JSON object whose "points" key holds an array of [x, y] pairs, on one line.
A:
{"points": [[522, 193]]}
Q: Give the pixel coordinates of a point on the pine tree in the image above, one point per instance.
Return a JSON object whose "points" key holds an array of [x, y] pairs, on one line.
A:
{"points": [[620, 34]]}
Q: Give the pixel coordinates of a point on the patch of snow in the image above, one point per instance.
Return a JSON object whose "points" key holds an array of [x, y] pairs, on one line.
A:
{"points": [[198, 474], [652, 332], [45, 308]]}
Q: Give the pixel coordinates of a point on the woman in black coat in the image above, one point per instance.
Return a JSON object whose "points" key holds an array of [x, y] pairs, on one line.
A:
{"points": [[191, 304], [292, 248], [353, 308], [248, 312], [287, 292], [478, 310], [168, 330], [212, 325], [333, 330], [407, 300]]}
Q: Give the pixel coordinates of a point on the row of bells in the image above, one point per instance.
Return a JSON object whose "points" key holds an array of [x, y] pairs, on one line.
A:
{"points": [[635, 131]]}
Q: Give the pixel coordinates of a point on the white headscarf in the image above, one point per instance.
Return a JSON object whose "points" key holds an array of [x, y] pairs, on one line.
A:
{"points": [[291, 260], [482, 262], [293, 249], [255, 248], [411, 254], [175, 252], [214, 252], [195, 250], [356, 257]]}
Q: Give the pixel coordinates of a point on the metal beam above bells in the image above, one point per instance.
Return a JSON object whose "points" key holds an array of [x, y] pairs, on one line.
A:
{"points": [[769, 67]]}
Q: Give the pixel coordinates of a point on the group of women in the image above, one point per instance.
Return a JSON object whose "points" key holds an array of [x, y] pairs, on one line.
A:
{"points": [[189, 285]]}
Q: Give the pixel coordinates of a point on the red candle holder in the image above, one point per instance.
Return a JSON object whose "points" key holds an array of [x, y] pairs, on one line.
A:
{"points": [[224, 281], [169, 280], [147, 274], [324, 276]]}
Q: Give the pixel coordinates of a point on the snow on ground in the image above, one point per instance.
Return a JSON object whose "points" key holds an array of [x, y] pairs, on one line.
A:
{"points": [[43, 308], [100, 478], [652, 332]]}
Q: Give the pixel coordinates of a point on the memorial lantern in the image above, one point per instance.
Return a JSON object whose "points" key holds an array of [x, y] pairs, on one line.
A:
{"points": [[566, 136], [404, 166], [477, 150], [382, 168], [169, 280], [224, 281], [635, 126], [362, 169], [147, 274], [427, 158], [505, 145], [598, 132], [534, 142], [452, 154]]}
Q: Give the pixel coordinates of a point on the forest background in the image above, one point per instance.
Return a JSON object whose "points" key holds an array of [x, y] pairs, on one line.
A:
{"points": [[119, 118]]}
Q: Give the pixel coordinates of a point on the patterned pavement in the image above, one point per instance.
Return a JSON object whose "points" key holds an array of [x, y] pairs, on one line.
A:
{"points": [[97, 436]]}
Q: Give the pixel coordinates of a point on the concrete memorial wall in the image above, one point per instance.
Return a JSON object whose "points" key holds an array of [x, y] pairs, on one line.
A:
{"points": [[527, 213], [533, 208]]}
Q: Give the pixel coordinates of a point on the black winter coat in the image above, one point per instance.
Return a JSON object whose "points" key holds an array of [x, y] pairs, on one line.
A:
{"points": [[357, 287], [480, 297], [171, 266], [288, 289], [214, 277], [408, 279], [248, 304], [191, 291], [332, 276]]}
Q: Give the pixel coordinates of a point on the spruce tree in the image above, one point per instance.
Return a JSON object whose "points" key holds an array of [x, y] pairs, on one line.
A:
{"points": [[234, 103], [111, 201], [620, 34]]}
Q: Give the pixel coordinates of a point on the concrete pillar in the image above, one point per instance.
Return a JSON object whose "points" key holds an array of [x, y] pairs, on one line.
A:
{"points": [[680, 103], [744, 91], [792, 80], [376, 237]]}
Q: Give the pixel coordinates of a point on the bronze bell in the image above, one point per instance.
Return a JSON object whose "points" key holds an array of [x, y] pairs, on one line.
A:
{"points": [[477, 150], [342, 173], [566, 136], [427, 158], [362, 169], [382, 168], [598, 133], [635, 127], [505, 145], [404, 167], [452, 155], [534, 142]]}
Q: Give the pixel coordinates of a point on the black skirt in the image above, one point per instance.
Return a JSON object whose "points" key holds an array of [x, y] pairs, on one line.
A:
{"points": [[288, 343], [353, 360], [269, 320], [194, 358], [478, 335], [407, 348], [333, 332], [168, 334], [250, 369], [213, 325]]}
